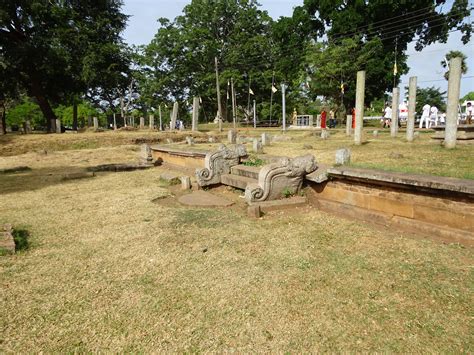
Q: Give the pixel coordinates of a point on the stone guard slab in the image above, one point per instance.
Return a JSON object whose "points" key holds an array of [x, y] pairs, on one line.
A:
{"points": [[275, 179]]}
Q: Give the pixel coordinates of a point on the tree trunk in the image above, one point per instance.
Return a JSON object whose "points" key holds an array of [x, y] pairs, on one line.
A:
{"points": [[44, 105], [74, 115], [3, 124]]}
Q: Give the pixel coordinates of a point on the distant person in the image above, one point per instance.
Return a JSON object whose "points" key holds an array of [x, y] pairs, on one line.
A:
{"points": [[332, 119], [323, 118], [433, 116], [387, 117], [469, 110], [425, 116], [442, 119]]}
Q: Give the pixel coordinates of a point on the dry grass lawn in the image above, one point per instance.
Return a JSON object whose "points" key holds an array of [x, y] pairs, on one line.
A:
{"points": [[109, 270]]}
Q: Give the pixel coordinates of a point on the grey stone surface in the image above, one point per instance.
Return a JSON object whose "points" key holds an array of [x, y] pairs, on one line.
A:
{"points": [[280, 177], [343, 156], [265, 139], [185, 182], [96, 123], [189, 140], [145, 154], [58, 126], [170, 177], [416, 180], [281, 138], [257, 146], [319, 175], [7, 243], [151, 124], [174, 116], [375, 133], [142, 122], [232, 136], [325, 134], [219, 162], [254, 211]]}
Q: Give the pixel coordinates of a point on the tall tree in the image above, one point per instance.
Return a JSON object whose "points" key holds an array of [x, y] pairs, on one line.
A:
{"points": [[393, 24], [52, 47], [454, 54], [181, 56]]}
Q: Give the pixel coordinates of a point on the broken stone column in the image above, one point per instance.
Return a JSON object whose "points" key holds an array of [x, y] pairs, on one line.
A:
{"points": [[454, 85], [195, 114], [232, 136], [142, 122], [348, 125], [359, 109], [265, 139], [343, 156], [185, 182], [96, 123], [325, 134], [394, 121], [257, 146], [174, 116], [145, 154], [190, 140], [27, 127], [411, 108], [58, 125], [152, 122]]}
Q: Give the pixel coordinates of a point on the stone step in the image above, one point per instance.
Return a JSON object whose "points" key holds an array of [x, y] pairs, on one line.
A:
{"points": [[237, 181], [247, 171]]}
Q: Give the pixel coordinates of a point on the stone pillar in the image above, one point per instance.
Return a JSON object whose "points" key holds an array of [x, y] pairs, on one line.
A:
{"points": [[96, 123], [232, 136], [411, 108], [58, 125], [283, 106], [174, 116], [359, 113], [195, 114], [454, 86], [142, 122], [89, 121], [152, 121], [394, 122], [265, 139], [348, 125], [27, 126]]}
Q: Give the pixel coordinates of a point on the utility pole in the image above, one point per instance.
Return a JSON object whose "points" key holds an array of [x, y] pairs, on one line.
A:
{"points": [[219, 108], [283, 106], [234, 118]]}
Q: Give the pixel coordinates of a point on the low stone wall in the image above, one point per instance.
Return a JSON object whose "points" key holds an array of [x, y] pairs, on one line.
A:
{"points": [[440, 208], [189, 158]]}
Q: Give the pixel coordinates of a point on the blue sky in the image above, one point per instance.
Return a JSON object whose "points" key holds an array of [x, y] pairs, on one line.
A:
{"points": [[143, 25]]}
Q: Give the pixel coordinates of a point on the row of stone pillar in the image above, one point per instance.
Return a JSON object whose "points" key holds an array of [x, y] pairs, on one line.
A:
{"points": [[454, 85]]}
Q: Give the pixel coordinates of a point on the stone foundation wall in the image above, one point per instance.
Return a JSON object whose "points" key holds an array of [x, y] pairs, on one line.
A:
{"points": [[185, 159], [445, 216]]}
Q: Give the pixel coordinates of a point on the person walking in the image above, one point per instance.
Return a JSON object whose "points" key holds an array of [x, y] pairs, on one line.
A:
{"points": [[323, 118], [332, 119], [433, 116], [425, 116], [469, 110], [387, 117]]}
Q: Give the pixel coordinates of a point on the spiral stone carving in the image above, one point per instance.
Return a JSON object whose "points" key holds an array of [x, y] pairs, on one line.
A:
{"points": [[286, 174], [218, 163]]}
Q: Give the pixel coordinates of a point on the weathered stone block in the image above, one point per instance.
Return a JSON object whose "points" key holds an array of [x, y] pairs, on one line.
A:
{"points": [[254, 211], [170, 177], [185, 182], [232, 136], [375, 133], [325, 134], [343, 156], [190, 140], [257, 146], [265, 139]]}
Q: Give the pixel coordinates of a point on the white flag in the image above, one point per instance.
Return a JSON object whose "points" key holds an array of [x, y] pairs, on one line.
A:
{"points": [[251, 92], [274, 89]]}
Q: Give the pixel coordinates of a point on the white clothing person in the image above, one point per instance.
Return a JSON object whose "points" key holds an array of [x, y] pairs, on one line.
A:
{"points": [[425, 116], [433, 116]]}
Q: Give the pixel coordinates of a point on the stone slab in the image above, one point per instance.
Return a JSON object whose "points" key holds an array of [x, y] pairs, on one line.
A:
{"points": [[170, 177], [174, 151], [237, 181], [319, 176], [247, 171], [202, 198], [7, 243], [409, 180]]}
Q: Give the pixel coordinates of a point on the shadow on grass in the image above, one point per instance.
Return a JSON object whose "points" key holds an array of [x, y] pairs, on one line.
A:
{"points": [[35, 179]]}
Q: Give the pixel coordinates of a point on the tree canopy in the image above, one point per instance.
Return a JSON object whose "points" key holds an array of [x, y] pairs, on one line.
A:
{"points": [[57, 49]]}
